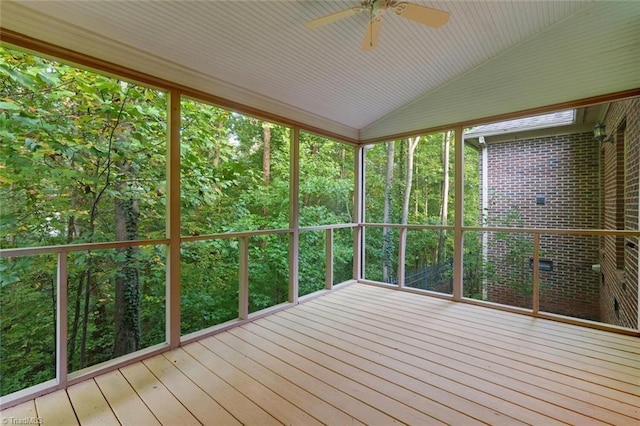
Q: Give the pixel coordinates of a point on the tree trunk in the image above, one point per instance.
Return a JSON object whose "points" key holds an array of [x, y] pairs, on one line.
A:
{"points": [[426, 200], [88, 281], [216, 155], [266, 154], [386, 235], [76, 324], [417, 197], [413, 143], [444, 207], [85, 319], [127, 313], [73, 333], [266, 159]]}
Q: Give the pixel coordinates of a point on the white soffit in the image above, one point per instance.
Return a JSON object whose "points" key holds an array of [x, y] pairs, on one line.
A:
{"points": [[596, 51], [536, 122]]}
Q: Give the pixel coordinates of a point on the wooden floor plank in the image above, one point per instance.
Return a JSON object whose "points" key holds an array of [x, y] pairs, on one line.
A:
{"points": [[241, 407], [555, 330], [90, 405], [539, 336], [462, 314], [371, 396], [523, 395], [55, 409], [164, 405], [507, 409], [512, 350], [455, 395], [275, 404], [599, 373], [336, 397], [447, 344], [404, 388], [306, 401], [201, 405], [24, 413], [439, 322], [124, 401], [422, 395]]}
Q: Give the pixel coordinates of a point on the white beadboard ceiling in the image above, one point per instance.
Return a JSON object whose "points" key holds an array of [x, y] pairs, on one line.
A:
{"points": [[492, 57]]}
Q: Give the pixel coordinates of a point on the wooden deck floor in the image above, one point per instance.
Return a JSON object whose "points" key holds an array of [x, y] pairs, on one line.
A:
{"points": [[368, 355]]}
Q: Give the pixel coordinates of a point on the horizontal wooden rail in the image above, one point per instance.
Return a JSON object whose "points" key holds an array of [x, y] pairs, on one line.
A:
{"points": [[555, 231], [409, 226], [69, 248], [325, 227], [232, 235], [241, 234]]}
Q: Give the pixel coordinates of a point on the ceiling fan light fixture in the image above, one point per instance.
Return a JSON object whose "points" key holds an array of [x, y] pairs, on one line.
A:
{"points": [[424, 15]]}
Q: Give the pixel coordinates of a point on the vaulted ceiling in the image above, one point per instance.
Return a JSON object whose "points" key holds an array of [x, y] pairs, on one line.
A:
{"points": [[491, 58]]}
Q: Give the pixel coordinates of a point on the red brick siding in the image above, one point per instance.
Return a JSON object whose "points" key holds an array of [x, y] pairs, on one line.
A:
{"points": [[563, 170], [621, 158]]}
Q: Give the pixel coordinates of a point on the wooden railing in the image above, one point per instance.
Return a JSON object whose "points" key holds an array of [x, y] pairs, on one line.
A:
{"points": [[64, 378], [536, 234]]}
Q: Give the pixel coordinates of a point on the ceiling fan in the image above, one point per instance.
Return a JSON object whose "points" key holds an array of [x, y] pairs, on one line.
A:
{"points": [[434, 18]]}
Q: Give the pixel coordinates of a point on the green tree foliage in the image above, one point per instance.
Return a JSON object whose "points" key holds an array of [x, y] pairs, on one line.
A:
{"points": [[83, 156], [510, 264], [230, 183]]}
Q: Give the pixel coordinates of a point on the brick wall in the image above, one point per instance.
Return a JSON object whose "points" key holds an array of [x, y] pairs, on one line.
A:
{"points": [[619, 256], [548, 182]]}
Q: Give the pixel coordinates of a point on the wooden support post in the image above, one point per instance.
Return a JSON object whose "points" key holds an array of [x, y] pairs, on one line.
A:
{"points": [[62, 298], [402, 250], [173, 223], [329, 259], [359, 214], [243, 274], [536, 274], [458, 237], [485, 209], [294, 216]]}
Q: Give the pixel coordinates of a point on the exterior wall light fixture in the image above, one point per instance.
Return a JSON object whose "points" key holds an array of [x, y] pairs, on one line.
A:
{"points": [[600, 132]]}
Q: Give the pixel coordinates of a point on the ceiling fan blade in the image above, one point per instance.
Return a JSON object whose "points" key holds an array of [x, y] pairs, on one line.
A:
{"points": [[333, 17], [422, 14], [371, 36]]}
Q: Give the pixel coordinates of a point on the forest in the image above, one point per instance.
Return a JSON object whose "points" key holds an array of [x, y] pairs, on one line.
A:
{"points": [[83, 159]]}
